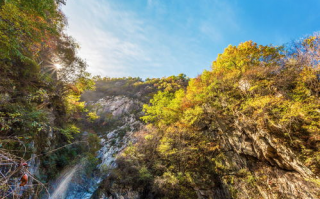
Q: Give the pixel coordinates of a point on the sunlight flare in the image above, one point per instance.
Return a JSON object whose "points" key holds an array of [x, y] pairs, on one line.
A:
{"points": [[58, 66]]}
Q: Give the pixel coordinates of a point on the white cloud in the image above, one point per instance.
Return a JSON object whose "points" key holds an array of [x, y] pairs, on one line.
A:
{"points": [[109, 39], [117, 42]]}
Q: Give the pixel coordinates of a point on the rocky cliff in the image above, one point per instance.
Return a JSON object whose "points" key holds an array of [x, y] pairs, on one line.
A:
{"points": [[119, 120], [196, 146], [259, 166]]}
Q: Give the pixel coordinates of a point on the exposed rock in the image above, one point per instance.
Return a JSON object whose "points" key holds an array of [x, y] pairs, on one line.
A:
{"points": [[260, 166], [275, 169], [112, 142], [117, 105]]}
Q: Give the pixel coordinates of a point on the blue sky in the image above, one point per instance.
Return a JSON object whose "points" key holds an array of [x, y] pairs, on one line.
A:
{"points": [[157, 38]]}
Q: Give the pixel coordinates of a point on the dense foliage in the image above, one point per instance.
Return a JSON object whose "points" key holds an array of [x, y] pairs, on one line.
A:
{"points": [[135, 88], [260, 88], [39, 103], [183, 149]]}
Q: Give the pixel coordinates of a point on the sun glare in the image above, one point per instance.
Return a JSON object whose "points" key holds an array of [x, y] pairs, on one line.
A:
{"points": [[58, 66]]}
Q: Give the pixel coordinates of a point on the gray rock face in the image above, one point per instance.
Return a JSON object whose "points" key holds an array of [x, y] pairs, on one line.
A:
{"points": [[124, 111], [117, 105], [113, 143], [275, 171], [259, 144]]}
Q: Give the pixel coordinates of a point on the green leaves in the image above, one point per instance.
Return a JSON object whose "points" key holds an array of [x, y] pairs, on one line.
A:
{"points": [[22, 29], [165, 107], [250, 85], [69, 131], [237, 60], [92, 116]]}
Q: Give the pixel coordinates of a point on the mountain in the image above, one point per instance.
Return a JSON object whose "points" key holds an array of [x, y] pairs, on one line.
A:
{"points": [[247, 128]]}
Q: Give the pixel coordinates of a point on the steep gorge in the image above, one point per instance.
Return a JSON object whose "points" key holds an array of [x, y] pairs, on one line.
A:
{"points": [[244, 132], [243, 160], [248, 128]]}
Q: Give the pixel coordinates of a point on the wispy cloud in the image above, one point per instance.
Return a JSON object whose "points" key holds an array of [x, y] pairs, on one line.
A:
{"points": [[155, 38], [109, 39], [119, 41]]}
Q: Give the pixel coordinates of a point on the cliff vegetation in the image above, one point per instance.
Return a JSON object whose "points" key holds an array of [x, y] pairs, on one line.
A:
{"points": [[249, 128]]}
